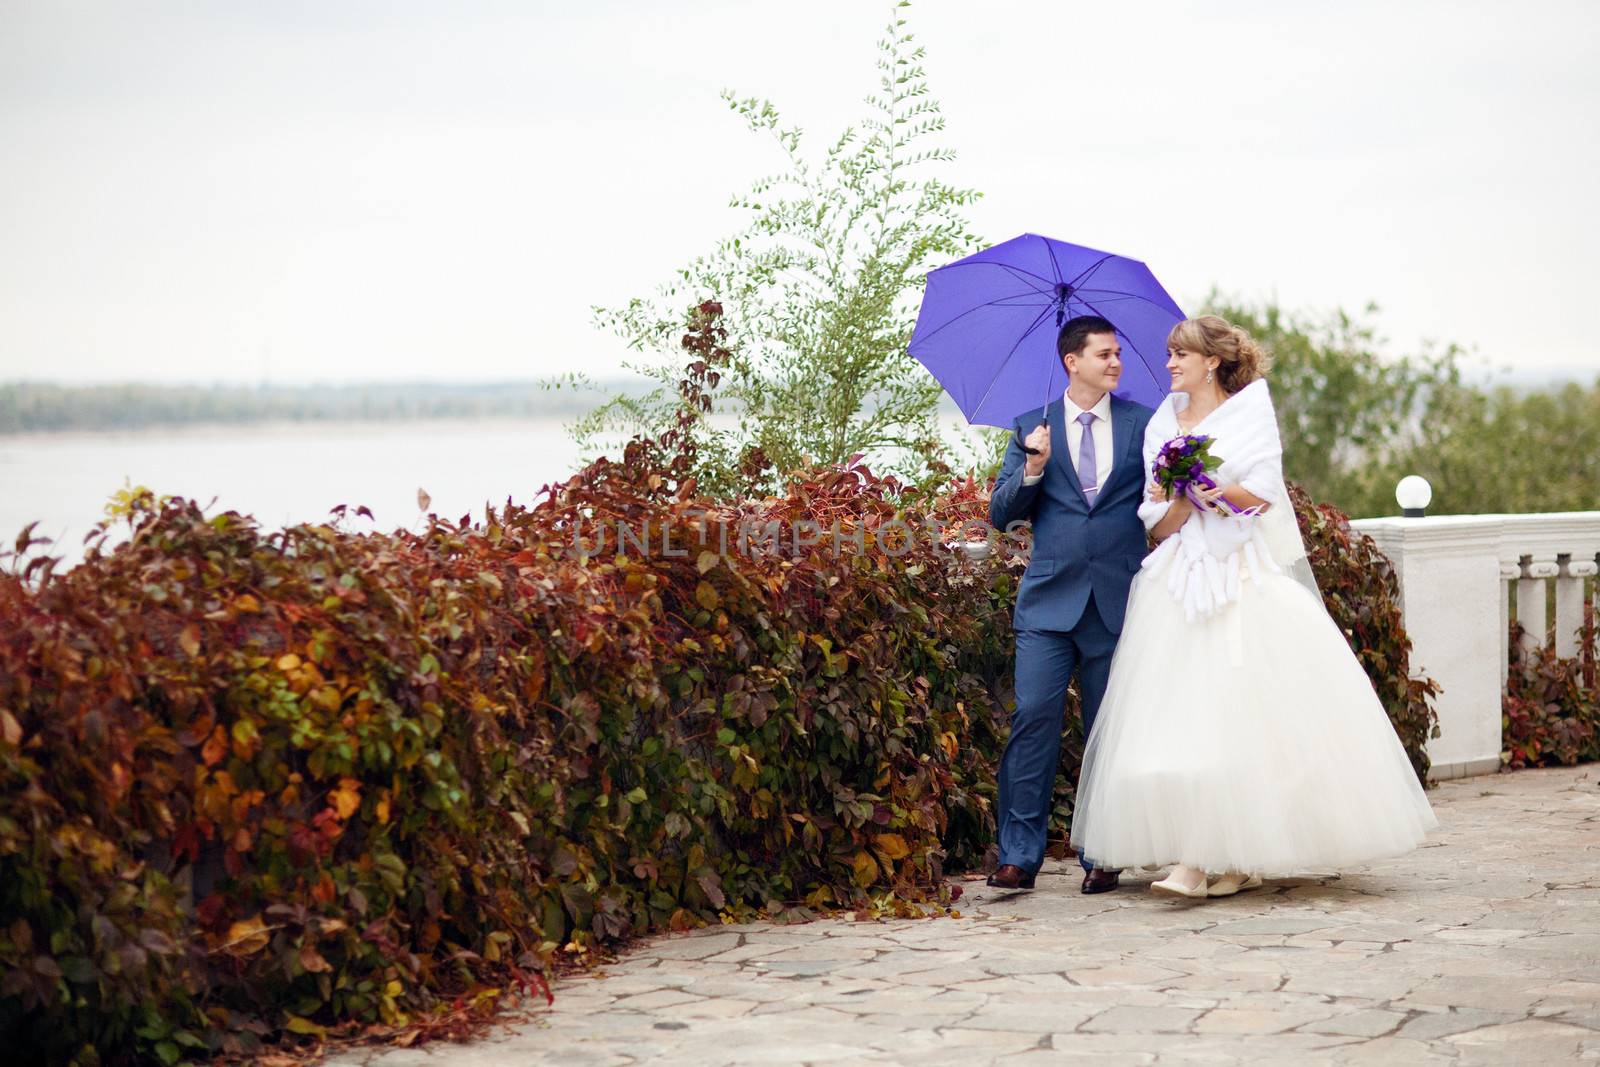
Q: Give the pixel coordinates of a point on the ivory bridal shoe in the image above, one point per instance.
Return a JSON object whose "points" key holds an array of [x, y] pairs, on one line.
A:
{"points": [[1173, 884], [1231, 883]]}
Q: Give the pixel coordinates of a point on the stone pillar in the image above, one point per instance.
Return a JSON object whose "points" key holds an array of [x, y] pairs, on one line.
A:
{"points": [[1452, 593], [1509, 572], [1570, 596], [1532, 609]]}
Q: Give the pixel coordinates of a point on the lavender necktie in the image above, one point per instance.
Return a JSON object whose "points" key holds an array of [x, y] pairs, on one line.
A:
{"points": [[1088, 477]]}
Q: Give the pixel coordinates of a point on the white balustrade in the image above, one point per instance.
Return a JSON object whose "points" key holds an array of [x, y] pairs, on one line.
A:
{"points": [[1453, 572]]}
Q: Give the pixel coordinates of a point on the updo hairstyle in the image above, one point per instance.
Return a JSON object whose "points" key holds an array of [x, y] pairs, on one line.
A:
{"points": [[1243, 360]]}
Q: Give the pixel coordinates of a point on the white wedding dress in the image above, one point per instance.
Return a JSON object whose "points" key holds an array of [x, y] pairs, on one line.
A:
{"points": [[1238, 731]]}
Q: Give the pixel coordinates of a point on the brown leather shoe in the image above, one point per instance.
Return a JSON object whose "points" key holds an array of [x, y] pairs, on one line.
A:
{"points": [[1098, 881], [1010, 876]]}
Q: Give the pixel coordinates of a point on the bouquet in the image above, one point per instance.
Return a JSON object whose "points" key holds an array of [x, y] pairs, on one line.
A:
{"points": [[1181, 466]]}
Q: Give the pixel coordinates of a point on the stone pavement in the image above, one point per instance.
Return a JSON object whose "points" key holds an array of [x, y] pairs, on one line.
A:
{"points": [[1481, 947]]}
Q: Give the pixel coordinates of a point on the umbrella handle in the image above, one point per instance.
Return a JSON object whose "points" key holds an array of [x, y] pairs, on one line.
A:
{"points": [[1017, 433]]}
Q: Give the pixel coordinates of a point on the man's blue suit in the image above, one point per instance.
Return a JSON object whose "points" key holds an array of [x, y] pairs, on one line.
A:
{"points": [[1069, 608]]}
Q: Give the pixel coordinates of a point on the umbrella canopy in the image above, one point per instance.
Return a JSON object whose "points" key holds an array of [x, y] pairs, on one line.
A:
{"points": [[988, 323]]}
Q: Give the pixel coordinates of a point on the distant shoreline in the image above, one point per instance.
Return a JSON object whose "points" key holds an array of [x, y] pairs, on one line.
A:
{"points": [[45, 408], [279, 427]]}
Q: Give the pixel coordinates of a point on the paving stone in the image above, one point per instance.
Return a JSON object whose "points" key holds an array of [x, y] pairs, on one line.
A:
{"points": [[1122, 975], [1368, 1023], [1524, 1033], [1428, 1026], [1255, 1020], [693, 948], [661, 998], [1136, 1020]]}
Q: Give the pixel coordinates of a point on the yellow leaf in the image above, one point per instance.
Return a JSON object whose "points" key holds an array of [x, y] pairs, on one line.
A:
{"points": [[297, 1025], [893, 846], [288, 661], [10, 727], [705, 594], [383, 811], [866, 868], [189, 641], [246, 937], [347, 798]]}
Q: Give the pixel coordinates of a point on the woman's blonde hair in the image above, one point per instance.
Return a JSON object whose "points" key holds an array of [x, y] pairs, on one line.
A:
{"points": [[1243, 361]]}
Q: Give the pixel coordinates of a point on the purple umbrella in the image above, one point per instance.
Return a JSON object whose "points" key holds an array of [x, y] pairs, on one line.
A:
{"points": [[988, 324]]}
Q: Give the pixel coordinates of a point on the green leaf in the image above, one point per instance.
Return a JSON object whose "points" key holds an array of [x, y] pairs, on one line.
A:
{"points": [[78, 969]]}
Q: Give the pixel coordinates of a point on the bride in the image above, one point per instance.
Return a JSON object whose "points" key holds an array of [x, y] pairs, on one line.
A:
{"points": [[1239, 737]]}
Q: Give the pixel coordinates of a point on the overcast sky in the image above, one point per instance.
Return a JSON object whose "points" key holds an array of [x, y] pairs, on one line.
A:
{"points": [[334, 191]]}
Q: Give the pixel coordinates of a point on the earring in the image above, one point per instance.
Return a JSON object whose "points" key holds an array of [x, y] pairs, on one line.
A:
{"points": [[1208, 375]]}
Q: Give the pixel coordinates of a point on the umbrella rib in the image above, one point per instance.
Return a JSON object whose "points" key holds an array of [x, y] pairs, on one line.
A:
{"points": [[925, 338], [990, 388], [1055, 264], [1009, 269], [1090, 269], [1118, 294]]}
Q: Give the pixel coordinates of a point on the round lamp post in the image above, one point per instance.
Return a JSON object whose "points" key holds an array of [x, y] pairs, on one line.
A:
{"points": [[1413, 494]]}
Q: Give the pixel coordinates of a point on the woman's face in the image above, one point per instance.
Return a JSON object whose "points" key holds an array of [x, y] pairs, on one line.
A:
{"points": [[1188, 369]]}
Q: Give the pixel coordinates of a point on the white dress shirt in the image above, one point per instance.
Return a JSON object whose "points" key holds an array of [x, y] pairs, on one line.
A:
{"points": [[1100, 427]]}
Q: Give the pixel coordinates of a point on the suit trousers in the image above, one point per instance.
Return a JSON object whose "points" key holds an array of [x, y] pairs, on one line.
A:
{"points": [[1046, 660]]}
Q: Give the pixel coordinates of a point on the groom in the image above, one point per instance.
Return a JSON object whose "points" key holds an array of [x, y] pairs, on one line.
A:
{"points": [[1082, 493]]}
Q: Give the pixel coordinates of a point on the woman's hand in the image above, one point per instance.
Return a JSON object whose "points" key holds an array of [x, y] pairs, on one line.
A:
{"points": [[1157, 494], [1210, 500]]}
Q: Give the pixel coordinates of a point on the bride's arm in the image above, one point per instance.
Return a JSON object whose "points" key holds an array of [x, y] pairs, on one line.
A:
{"points": [[1178, 512], [1242, 497]]}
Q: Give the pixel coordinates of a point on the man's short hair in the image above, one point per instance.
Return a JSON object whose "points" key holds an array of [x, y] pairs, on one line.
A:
{"points": [[1075, 333]]}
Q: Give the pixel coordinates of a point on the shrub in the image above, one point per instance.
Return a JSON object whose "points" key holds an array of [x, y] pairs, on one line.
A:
{"points": [[821, 282], [260, 784], [1550, 715]]}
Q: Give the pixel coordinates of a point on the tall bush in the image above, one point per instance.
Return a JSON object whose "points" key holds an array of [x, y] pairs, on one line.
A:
{"points": [[269, 783], [1550, 715], [821, 288]]}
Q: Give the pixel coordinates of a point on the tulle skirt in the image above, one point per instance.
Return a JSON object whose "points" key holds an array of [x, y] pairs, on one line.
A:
{"points": [[1249, 740]]}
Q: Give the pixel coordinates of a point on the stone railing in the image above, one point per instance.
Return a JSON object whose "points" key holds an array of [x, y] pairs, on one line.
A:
{"points": [[1454, 574]]}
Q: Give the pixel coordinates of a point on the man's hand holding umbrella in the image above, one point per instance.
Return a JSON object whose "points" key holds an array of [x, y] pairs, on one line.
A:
{"points": [[1038, 449]]}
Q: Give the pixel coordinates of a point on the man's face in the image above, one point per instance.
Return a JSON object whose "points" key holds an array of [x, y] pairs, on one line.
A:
{"points": [[1099, 365]]}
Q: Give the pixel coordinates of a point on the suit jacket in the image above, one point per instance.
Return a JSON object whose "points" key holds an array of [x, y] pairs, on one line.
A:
{"points": [[1077, 549]]}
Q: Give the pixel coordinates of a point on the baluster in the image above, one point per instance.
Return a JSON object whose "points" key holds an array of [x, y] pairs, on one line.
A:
{"points": [[1570, 596], [1532, 601]]}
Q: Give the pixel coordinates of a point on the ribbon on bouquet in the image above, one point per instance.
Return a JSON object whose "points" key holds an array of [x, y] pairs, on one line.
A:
{"points": [[1190, 454], [1185, 486]]}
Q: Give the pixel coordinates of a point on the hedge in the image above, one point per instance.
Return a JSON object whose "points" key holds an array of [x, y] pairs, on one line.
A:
{"points": [[1550, 715], [260, 784]]}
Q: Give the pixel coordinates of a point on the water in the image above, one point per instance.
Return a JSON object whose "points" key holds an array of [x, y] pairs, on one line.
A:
{"points": [[280, 474], [287, 474]]}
